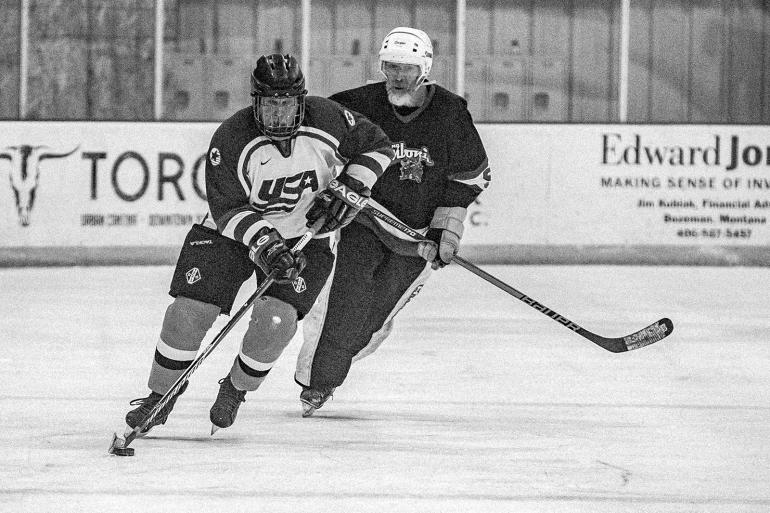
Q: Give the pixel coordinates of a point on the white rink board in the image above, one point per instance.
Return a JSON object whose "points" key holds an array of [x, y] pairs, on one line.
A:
{"points": [[596, 185], [119, 188], [649, 187]]}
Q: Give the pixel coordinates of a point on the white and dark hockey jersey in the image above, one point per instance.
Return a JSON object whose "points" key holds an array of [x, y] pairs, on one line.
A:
{"points": [[249, 183]]}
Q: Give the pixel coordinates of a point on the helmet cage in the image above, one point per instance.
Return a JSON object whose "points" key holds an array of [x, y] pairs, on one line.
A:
{"points": [[278, 127], [405, 45], [278, 76]]}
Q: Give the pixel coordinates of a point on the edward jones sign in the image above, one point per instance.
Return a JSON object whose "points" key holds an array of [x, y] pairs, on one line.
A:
{"points": [[626, 185]]}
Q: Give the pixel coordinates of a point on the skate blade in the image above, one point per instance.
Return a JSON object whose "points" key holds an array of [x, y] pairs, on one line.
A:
{"points": [[116, 443], [308, 409]]}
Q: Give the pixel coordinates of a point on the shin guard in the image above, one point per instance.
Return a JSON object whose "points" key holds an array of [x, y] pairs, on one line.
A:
{"points": [[272, 326], [184, 326]]}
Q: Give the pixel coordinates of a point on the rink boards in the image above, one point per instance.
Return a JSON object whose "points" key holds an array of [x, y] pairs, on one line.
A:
{"points": [[126, 193]]}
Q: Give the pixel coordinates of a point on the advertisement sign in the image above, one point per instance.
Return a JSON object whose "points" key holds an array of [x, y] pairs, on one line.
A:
{"points": [[101, 184], [120, 185], [625, 184]]}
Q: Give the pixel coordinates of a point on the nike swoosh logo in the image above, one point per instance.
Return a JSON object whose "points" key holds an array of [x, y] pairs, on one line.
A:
{"points": [[265, 162]]}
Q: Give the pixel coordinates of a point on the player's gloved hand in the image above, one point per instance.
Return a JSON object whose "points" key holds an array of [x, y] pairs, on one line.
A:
{"points": [[446, 230], [270, 252], [339, 203]]}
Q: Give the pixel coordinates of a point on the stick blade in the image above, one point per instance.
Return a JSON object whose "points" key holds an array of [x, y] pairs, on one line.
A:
{"points": [[653, 333]]}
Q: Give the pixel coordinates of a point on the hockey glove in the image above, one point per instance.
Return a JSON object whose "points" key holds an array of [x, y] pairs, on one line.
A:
{"points": [[444, 234], [339, 203], [271, 253]]}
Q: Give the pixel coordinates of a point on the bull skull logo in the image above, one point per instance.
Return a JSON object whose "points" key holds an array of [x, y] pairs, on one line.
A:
{"points": [[25, 174]]}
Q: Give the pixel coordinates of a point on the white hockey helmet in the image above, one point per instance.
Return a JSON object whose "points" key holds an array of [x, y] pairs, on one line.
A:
{"points": [[405, 45]]}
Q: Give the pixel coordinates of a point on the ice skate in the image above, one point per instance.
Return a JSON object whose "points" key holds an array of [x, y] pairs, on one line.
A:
{"points": [[312, 399], [225, 408], [137, 416]]}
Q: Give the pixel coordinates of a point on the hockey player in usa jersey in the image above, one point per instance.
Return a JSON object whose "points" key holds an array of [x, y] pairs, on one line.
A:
{"points": [[440, 167], [268, 166]]}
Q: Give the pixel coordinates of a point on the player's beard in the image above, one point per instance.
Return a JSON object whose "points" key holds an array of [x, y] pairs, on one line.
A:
{"points": [[403, 97]]}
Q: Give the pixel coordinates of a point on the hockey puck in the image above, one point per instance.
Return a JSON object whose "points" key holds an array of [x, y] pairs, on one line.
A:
{"points": [[123, 451], [117, 447]]}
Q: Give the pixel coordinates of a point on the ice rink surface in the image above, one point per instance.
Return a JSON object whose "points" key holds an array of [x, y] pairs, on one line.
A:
{"points": [[477, 403]]}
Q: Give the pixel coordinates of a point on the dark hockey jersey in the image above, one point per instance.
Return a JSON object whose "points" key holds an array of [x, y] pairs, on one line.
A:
{"points": [[250, 185], [439, 157]]}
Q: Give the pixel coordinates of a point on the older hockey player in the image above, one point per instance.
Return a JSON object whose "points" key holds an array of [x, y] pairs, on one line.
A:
{"points": [[440, 168], [266, 165]]}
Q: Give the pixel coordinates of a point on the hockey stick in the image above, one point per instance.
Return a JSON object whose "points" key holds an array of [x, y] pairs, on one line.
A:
{"points": [[119, 446], [644, 337]]}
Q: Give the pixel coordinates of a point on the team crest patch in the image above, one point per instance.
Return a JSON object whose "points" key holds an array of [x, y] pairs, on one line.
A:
{"points": [[215, 157], [412, 160], [299, 285], [411, 170], [193, 275]]}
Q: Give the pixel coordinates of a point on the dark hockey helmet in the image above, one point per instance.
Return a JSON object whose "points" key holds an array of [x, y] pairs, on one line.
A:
{"points": [[278, 91]]}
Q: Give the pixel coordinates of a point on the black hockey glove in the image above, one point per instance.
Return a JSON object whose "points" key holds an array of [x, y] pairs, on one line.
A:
{"points": [[339, 203], [270, 253], [446, 230]]}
